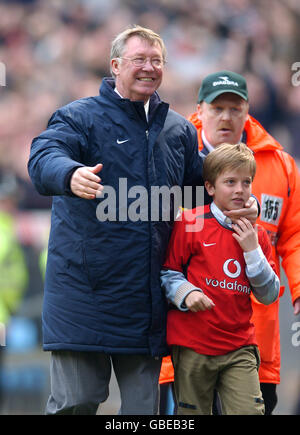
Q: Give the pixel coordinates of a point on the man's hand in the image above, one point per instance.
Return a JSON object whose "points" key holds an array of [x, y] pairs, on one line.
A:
{"points": [[250, 211], [198, 301], [85, 183], [297, 306]]}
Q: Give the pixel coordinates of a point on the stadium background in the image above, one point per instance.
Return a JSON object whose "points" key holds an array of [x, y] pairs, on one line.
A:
{"points": [[53, 52]]}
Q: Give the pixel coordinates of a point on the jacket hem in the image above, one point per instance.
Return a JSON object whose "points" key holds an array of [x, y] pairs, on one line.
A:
{"points": [[104, 349]]}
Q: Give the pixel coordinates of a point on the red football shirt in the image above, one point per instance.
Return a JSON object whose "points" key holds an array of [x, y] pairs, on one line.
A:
{"points": [[213, 261]]}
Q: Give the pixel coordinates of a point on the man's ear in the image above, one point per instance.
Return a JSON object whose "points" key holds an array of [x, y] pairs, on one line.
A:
{"points": [[115, 66], [199, 110], [210, 188]]}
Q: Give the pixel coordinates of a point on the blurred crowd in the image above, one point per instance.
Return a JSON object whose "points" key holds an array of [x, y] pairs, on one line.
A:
{"points": [[53, 52], [57, 51]]}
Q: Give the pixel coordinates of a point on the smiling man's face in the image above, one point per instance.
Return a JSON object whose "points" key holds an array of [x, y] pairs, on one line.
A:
{"points": [[138, 83], [223, 120]]}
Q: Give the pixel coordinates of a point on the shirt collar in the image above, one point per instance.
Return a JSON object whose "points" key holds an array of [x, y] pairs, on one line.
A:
{"points": [[220, 216], [207, 145], [146, 105]]}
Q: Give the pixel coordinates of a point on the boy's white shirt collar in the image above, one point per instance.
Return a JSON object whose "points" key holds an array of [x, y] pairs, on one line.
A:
{"points": [[146, 105], [220, 216]]}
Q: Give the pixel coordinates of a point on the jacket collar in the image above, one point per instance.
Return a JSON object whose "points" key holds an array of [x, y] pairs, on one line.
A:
{"points": [[107, 89]]}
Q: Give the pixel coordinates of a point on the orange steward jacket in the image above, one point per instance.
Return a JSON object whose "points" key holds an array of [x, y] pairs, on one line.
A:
{"points": [[277, 187]]}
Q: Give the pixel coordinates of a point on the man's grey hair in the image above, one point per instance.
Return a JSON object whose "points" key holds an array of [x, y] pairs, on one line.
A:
{"points": [[119, 43]]}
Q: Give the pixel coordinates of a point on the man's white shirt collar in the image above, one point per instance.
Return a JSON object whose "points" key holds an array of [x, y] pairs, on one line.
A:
{"points": [[146, 105], [207, 145]]}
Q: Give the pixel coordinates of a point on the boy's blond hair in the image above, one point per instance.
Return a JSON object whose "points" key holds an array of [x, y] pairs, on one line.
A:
{"points": [[227, 157]]}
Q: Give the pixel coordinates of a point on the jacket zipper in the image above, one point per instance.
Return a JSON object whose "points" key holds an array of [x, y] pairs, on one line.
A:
{"points": [[149, 225]]}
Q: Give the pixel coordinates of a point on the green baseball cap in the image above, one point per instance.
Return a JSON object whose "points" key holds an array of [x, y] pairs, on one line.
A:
{"points": [[221, 82]]}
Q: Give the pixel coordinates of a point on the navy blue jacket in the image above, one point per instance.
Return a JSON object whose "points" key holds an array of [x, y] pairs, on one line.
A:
{"points": [[102, 285]]}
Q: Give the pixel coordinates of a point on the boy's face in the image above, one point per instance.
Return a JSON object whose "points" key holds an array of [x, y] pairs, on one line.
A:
{"points": [[232, 189]]}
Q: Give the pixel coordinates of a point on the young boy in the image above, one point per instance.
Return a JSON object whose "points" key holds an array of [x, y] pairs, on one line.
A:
{"points": [[209, 275]]}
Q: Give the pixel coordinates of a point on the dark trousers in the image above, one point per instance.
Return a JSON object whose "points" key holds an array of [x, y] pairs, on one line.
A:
{"points": [[270, 397], [80, 381]]}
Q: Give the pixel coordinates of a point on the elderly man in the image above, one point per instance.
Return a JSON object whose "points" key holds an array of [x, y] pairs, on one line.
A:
{"points": [[103, 303]]}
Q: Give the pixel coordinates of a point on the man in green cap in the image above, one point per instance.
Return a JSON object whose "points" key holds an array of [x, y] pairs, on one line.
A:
{"points": [[222, 108], [222, 116], [223, 82]]}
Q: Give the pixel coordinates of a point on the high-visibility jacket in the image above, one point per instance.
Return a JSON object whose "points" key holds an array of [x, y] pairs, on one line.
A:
{"points": [[277, 187], [13, 269]]}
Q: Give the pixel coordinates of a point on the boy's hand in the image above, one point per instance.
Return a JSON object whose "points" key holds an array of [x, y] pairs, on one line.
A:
{"points": [[250, 211], [198, 301], [245, 234]]}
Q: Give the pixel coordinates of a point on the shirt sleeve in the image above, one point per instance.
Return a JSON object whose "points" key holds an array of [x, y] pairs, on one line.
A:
{"points": [[262, 276], [176, 287]]}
